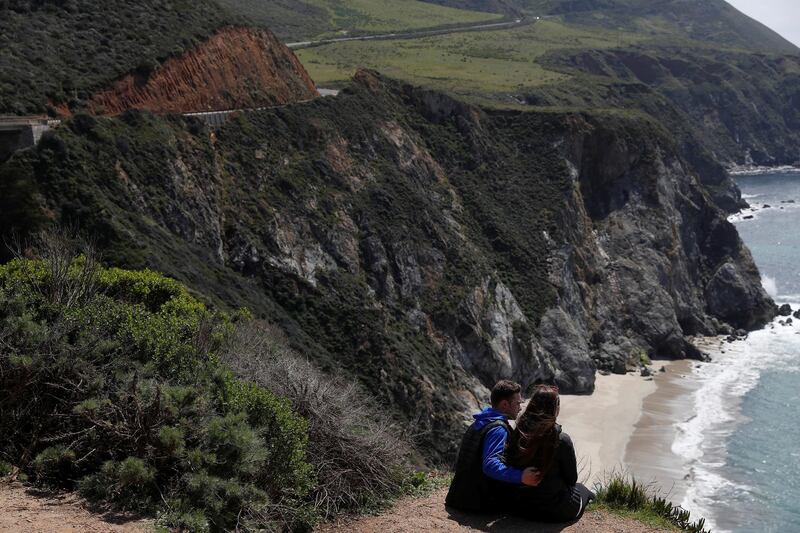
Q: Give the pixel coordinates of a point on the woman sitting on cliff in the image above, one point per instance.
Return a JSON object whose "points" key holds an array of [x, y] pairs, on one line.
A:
{"points": [[538, 441]]}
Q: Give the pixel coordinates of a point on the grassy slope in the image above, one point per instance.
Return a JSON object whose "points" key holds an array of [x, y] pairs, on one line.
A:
{"points": [[318, 18], [474, 64], [706, 80], [712, 21], [61, 51]]}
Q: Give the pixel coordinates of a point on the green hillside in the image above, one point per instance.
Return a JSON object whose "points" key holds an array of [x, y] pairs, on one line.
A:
{"points": [[60, 51], [710, 21], [718, 80], [489, 67], [303, 20]]}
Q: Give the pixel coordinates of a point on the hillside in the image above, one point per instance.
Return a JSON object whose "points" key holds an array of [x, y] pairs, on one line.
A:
{"points": [[742, 108], [61, 52], [234, 69], [309, 19], [719, 81], [423, 246], [713, 22]]}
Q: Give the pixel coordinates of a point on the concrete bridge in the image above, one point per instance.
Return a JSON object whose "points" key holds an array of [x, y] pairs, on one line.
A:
{"points": [[17, 133], [216, 119]]}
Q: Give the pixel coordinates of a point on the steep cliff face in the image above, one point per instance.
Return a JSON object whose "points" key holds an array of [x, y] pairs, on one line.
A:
{"points": [[648, 252], [421, 245], [740, 107], [234, 69]]}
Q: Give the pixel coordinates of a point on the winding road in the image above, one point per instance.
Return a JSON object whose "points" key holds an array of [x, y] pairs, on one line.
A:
{"points": [[417, 33]]}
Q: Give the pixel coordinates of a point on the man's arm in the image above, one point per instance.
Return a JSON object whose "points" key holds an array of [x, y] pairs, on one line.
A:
{"points": [[493, 443]]}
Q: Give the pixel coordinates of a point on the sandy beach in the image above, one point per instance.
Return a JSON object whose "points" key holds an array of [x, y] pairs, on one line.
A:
{"points": [[628, 424], [601, 424], [649, 453]]}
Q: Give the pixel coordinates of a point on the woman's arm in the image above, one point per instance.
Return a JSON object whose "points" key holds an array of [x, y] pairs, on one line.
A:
{"points": [[566, 460]]}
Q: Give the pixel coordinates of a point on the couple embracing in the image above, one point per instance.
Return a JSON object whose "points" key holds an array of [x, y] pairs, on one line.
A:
{"points": [[529, 470]]}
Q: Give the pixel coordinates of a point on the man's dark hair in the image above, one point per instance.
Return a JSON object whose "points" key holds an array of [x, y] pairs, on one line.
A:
{"points": [[503, 390]]}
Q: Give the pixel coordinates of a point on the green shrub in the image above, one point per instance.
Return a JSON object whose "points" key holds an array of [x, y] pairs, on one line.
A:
{"points": [[621, 492], [110, 380], [360, 461], [151, 289], [286, 434], [54, 463], [128, 483]]}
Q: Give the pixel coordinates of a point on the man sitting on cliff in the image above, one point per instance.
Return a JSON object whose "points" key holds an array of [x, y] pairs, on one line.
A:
{"points": [[482, 482]]}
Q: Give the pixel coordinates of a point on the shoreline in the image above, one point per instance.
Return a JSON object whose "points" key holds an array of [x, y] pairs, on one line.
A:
{"points": [[629, 424], [602, 423], [755, 170], [649, 455]]}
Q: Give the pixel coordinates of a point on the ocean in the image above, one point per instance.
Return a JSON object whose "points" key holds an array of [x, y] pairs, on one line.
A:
{"points": [[742, 444]]}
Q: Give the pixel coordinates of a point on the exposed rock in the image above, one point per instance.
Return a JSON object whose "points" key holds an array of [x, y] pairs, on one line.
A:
{"points": [[645, 372], [785, 310], [796, 314], [236, 68], [732, 296]]}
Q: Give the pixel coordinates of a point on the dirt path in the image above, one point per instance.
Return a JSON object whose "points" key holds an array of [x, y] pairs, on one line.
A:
{"points": [[25, 510], [412, 515]]}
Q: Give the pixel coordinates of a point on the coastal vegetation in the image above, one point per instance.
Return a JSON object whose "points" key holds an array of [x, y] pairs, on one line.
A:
{"points": [[59, 52], [621, 493], [289, 303], [124, 386], [339, 18], [486, 66]]}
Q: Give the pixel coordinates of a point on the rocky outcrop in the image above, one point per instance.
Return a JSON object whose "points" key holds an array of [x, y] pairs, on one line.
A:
{"points": [[424, 246], [236, 68], [653, 257]]}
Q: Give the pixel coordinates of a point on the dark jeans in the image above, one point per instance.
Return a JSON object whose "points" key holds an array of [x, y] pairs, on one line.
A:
{"points": [[529, 503]]}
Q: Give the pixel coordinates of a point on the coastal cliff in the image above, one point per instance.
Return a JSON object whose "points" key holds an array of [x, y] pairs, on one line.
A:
{"points": [[421, 245], [740, 108]]}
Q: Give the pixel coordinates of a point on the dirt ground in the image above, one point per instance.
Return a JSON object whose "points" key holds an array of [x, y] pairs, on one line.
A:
{"points": [[412, 515], [27, 510]]}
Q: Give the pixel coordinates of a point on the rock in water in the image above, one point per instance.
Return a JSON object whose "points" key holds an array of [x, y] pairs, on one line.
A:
{"points": [[785, 310]]}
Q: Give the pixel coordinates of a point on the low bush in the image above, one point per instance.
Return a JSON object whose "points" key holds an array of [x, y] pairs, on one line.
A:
{"points": [[359, 459], [110, 382], [621, 492]]}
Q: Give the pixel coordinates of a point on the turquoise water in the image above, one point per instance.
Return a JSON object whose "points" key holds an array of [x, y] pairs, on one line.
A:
{"points": [[744, 444]]}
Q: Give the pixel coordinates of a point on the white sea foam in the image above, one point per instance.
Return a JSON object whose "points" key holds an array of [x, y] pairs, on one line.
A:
{"points": [[750, 196], [752, 213], [752, 170], [701, 439], [770, 286]]}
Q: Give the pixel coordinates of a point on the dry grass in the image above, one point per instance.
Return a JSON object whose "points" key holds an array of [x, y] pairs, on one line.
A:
{"points": [[359, 457]]}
